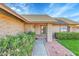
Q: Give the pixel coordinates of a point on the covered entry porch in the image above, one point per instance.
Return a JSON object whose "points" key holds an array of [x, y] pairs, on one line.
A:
{"points": [[43, 30], [45, 26], [46, 30]]}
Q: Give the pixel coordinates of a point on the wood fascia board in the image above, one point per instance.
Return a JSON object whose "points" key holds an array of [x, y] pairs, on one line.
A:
{"points": [[12, 12]]}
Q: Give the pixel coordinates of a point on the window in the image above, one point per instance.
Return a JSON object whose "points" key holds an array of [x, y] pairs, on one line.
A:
{"points": [[63, 28]]}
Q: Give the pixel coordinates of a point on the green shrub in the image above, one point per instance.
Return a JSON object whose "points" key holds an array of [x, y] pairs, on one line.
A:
{"points": [[67, 35], [19, 45]]}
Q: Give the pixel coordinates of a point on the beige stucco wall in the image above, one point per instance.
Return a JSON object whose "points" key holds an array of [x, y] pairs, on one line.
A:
{"points": [[10, 25], [71, 29], [74, 29], [29, 27], [33, 28], [37, 29], [55, 28], [58, 28]]}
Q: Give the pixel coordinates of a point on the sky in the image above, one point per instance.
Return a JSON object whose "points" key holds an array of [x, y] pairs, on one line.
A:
{"points": [[65, 10]]}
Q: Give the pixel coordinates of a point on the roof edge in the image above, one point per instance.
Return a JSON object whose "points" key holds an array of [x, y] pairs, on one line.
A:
{"points": [[70, 20], [9, 10]]}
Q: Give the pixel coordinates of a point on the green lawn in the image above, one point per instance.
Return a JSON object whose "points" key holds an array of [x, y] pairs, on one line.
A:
{"points": [[72, 45]]}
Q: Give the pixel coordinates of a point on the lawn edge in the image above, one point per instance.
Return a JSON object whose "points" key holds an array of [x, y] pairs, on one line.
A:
{"points": [[66, 48]]}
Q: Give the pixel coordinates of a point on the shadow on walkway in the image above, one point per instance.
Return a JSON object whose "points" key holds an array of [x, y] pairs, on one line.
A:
{"points": [[39, 48]]}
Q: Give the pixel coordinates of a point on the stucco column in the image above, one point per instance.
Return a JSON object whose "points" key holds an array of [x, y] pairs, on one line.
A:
{"points": [[49, 32], [71, 29], [32, 27], [37, 29]]}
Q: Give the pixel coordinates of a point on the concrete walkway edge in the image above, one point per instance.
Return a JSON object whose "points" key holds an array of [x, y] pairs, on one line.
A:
{"points": [[67, 49]]}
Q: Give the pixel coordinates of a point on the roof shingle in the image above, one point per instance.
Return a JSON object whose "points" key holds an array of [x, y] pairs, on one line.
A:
{"points": [[48, 19]]}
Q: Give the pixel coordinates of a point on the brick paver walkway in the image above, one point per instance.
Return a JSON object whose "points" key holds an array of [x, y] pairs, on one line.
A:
{"points": [[53, 48], [56, 49], [39, 48]]}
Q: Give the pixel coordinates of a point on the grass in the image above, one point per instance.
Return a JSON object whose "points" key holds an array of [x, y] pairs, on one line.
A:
{"points": [[72, 45]]}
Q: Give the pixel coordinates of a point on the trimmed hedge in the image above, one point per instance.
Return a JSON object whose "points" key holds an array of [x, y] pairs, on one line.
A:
{"points": [[19, 45], [67, 35]]}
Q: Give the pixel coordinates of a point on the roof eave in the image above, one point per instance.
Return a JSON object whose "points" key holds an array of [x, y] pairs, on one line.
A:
{"points": [[7, 9]]}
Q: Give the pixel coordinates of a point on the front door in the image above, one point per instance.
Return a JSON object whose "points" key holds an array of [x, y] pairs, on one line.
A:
{"points": [[43, 31]]}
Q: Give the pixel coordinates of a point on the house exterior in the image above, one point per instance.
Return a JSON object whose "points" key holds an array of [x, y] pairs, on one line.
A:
{"points": [[44, 26]]}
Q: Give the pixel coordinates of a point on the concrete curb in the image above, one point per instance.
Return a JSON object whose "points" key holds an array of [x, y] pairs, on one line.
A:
{"points": [[45, 46], [70, 52]]}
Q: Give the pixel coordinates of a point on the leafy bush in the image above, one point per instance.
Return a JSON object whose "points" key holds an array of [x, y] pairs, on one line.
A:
{"points": [[67, 35], [19, 45]]}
